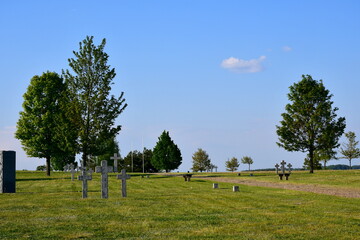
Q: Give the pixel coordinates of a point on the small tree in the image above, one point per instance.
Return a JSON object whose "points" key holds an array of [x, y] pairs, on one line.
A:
{"points": [[247, 160], [309, 123], [166, 154], [232, 164], [134, 161], [349, 149], [201, 161]]}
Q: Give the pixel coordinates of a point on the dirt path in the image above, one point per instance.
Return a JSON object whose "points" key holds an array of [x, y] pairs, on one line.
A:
{"points": [[306, 188]]}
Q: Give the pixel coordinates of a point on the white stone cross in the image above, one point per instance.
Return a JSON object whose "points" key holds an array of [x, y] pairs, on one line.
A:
{"points": [[115, 158], [123, 176], [277, 168], [283, 166], [289, 167], [84, 178], [104, 170], [72, 170]]}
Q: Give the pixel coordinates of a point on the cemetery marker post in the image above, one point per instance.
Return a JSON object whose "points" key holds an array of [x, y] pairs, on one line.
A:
{"points": [[123, 176], [72, 170], [84, 178], [104, 170], [115, 158]]}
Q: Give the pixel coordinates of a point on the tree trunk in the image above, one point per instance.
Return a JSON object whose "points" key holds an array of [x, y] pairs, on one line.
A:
{"points": [[249, 167], [47, 166], [311, 159], [350, 163]]}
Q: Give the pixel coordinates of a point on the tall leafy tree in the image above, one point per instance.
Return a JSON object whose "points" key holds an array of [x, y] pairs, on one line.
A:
{"points": [[201, 161], [310, 123], [350, 150], [232, 164], [166, 154], [95, 110], [43, 129], [247, 160]]}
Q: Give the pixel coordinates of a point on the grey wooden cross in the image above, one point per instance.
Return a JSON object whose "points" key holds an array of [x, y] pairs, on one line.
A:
{"points": [[277, 168], [84, 178], [104, 170], [289, 167], [123, 176], [72, 170], [283, 166], [116, 158]]}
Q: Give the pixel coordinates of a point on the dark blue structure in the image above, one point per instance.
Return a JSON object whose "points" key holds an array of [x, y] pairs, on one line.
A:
{"points": [[7, 172]]}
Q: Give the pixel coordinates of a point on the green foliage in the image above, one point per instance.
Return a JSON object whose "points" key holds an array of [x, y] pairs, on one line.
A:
{"points": [[247, 160], [166, 154], [232, 164], [134, 161], [201, 161], [349, 149], [41, 168], [316, 164], [94, 109], [43, 127], [309, 123], [111, 147]]}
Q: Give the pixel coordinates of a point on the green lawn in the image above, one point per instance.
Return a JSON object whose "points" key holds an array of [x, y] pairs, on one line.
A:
{"points": [[168, 208]]}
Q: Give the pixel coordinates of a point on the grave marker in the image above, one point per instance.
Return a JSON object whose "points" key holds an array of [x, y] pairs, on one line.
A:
{"points": [[123, 176], [104, 169], [84, 178], [7, 172], [115, 158], [215, 185], [236, 189], [72, 170], [277, 168]]}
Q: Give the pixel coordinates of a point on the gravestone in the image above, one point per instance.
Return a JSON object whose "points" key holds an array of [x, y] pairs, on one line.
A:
{"points": [[116, 158], [104, 170], [215, 185], [123, 176], [236, 189], [72, 170], [84, 178], [277, 168], [7, 172], [283, 170]]}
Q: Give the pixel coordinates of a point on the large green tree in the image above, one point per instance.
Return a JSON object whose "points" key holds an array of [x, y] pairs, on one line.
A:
{"points": [[350, 150], [232, 164], [166, 154], [43, 128], [95, 110], [201, 161], [310, 123]]}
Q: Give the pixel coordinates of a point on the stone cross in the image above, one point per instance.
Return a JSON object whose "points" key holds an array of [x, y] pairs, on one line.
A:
{"points": [[104, 170], [289, 167], [116, 158], [123, 176], [84, 178], [277, 168], [90, 171], [72, 170], [283, 166]]}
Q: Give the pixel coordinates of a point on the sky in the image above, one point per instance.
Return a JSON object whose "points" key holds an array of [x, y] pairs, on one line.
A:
{"points": [[215, 74]]}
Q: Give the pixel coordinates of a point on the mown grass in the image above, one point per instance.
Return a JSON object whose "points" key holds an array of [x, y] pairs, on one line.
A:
{"points": [[169, 208]]}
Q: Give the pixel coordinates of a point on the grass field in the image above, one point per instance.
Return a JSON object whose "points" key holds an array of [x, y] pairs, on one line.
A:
{"points": [[165, 207]]}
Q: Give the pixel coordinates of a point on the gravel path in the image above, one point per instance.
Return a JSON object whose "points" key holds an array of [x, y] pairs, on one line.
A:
{"points": [[297, 187]]}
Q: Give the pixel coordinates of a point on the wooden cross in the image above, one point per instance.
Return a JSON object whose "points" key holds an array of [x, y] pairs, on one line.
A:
{"points": [[72, 170], [104, 170], [84, 178], [123, 176], [277, 168], [283, 166], [115, 158], [289, 167]]}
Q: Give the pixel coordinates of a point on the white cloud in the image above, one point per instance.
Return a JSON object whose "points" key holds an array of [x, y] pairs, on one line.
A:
{"points": [[244, 66], [286, 48]]}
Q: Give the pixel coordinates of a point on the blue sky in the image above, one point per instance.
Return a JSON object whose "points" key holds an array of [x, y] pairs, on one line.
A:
{"points": [[215, 74]]}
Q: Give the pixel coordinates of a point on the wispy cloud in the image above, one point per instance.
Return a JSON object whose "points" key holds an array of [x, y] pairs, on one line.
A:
{"points": [[244, 66], [286, 48]]}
